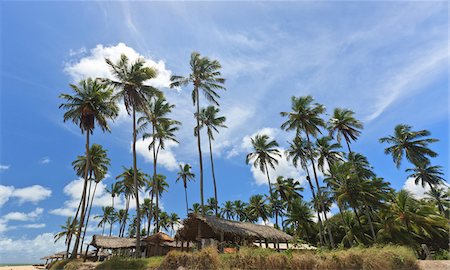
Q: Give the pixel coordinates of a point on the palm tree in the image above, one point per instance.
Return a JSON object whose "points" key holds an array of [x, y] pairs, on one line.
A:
{"points": [[326, 152], [258, 207], [209, 119], [186, 175], [411, 144], [130, 87], [425, 174], [441, 197], [99, 163], [122, 216], [211, 204], [115, 190], [277, 207], [127, 182], [299, 152], [264, 155], [196, 208], [90, 104], [67, 230], [205, 76], [240, 210], [227, 210], [345, 125], [300, 217], [108, 211], [174, 220], [147, 210], [163, 129], [164, 221], [162, 187], [305, 116]]}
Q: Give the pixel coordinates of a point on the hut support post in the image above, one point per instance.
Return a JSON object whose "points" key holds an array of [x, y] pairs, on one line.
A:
{"points": [[287, 244], [199, 237], [221, 243], [96, 255], [86, 253], [277, 245], [267, 244], [182, 245], [260, 242]]}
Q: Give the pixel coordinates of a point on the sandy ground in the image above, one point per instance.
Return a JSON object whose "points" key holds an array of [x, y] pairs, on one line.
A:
{"points": [[21, 267], [434, 265]]}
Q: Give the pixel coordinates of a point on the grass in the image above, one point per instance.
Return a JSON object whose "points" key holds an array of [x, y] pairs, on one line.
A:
{"points": [[69, 264], [373, 258]]}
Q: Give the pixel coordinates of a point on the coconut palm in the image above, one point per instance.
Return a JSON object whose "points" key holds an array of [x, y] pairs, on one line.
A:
{"points": [[164, 221], [129, 83], [277, 207], [227, 210], [114, 190], [99, 163], [305, 117], [127, 182], [211, 204], [239, 209], [426, 174], [264, 155], [162, 187], [186, 175], [90, 104], [441, 197], [258, 207], [205, 76], [196, 208], [300, 217], [147, 210], [410, 144], [327, 152], [174, 220], [122, 217], [209, 119], [345, 125], [67, 230], [107, 213]]}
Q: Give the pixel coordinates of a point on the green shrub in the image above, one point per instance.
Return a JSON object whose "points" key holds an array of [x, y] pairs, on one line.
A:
{"points": [[129, 263], [442, 254], [58, 265], [207, 258]]}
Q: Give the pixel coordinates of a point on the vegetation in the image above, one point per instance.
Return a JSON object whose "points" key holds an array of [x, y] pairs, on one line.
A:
{"points": [[132, 264]]}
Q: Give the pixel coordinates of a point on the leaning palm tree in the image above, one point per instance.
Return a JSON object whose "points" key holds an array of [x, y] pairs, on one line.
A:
{"points": [[67, 230], [129, 79], [264, 155], [205, 76], [90, 104], [410, 144], [305, 117], [186, 175], [426, 174], [210, 120], [345, 125], [99, 163]]}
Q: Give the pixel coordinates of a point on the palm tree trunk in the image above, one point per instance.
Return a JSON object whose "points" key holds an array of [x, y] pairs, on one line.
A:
{"points": [[103, 230], [213, 175], [199, 151], [185, 195], [89, 214], [83, 199], [319, 193], [357, 217], [110, 228], [73, 225], [371, 225], [268, 179], [319, 220], [150, 216], [346, 224], [87, 207], [155, 182], [127, 206], [136, 187], [329, 229]]}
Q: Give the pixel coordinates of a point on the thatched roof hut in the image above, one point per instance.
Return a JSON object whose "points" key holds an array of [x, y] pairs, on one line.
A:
{"points": [[223, 229], [158, 238], [112, 242]]}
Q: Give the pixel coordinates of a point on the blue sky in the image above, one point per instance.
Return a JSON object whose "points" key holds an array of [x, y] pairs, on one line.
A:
{"points": [[386, 61]]}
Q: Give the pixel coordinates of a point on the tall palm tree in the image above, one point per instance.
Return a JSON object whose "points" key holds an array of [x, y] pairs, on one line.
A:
{"points": [[114, 190], [147, 210], [67, 230], [205, 75], [208, 118], [186, 175], [264, 155], [164, 221], [127, 181], [99, 163], [90, 104], [174, 220], [121, 216], [327, 152], [410, 144], [107, 212], [239, 209], [129, 79], [299, 152], [441, 196], [211, 204], [300, 217], [305, 117], [258, 207], [426, 174], [345, 125], [162, 187]]}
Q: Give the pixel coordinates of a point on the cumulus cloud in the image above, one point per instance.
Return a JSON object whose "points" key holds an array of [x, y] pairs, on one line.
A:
{"points": [[34, 225], [417, 190], [33, 194], [21, 216], [28, 250], [166, 157], [45, 160], [4, 167]]}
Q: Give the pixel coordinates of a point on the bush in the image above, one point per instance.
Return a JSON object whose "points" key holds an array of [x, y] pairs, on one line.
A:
{"points": [[207, 258], [58, 265], [129, 263], [442, 254]]}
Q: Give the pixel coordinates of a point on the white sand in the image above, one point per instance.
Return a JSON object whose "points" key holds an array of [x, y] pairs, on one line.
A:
{"points": [[19, 267]]}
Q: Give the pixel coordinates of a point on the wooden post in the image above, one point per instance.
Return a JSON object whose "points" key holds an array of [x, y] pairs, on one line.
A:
{"points": [[277, 245], [287, 245], [260, 242], [85, 254], [267, 244], [182, 245], [199, 237], [221, 243]]}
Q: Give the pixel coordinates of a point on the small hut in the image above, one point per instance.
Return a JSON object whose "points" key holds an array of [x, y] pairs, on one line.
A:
{"points": [[158, 244], [210, 230], [101, 242]]}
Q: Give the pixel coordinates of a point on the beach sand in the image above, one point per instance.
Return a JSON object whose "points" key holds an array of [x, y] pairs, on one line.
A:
{"points": [[19, 267]]}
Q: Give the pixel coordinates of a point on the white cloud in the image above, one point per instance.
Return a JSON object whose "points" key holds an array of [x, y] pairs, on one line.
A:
{"points": [[35, 225], [246, 145], [166, 157], [417, 190], [33, 194], [4, 167], [28, 250], [45, 160], [21, 216]]}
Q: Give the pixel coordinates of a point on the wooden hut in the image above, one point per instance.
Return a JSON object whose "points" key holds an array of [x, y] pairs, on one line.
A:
{"points": [[158, 244], [101, 242], [210, 230]]}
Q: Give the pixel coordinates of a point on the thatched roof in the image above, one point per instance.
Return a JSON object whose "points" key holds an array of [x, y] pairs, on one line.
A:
{"points": [[112, 242], [212, 227], [158, 238], [57, 255]]}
